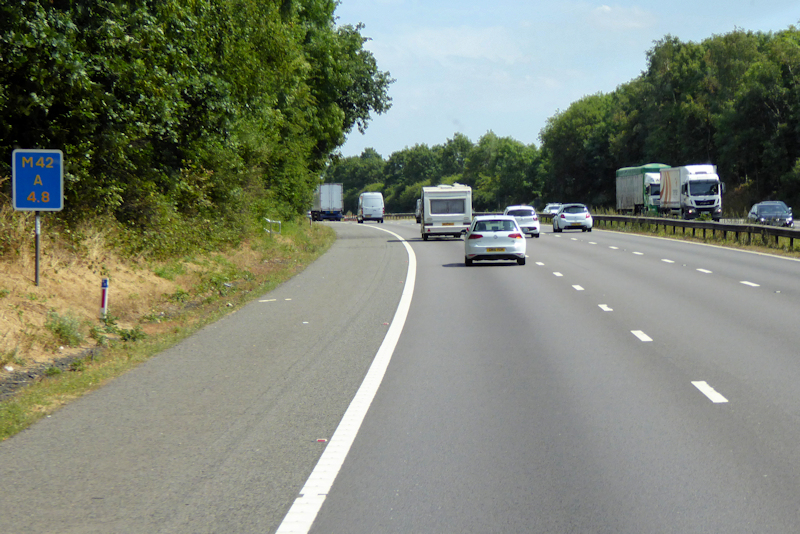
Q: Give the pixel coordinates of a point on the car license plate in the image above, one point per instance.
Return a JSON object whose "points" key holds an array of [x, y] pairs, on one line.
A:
{"points": [[495, 249], [448, 224], [575, 224]]}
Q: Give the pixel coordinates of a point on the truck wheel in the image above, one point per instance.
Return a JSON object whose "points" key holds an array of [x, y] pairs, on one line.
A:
{"points": [[361, 221], [468, 262], [424, 237]]}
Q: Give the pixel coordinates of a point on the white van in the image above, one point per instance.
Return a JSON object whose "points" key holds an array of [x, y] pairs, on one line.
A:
{"points": [[370, 207], [446, 210]]}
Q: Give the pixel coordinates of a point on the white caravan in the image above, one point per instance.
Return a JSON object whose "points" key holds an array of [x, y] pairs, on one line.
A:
{"points": [[446, 210]]}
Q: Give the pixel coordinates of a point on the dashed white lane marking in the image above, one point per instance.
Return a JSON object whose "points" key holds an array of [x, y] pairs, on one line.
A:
{"points": [[592, 243], [268, 300], [704, 271], [574, 238], [614, 248], [305, 508], [665, 260], [641, 335], [540, 263], [604, 307], [578, 288], [558, 274], [639, 253], [709, 392], [751, 284]]}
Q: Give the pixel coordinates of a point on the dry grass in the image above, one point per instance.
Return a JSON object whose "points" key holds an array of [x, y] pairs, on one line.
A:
{"points": [[163, 300]]}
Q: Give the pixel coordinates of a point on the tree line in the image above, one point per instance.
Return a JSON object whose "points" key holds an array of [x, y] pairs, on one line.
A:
{"points": [[176, 111], [732, 100]]}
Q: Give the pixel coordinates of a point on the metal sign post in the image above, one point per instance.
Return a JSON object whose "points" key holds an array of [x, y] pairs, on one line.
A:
{"points": [[37, 184]]}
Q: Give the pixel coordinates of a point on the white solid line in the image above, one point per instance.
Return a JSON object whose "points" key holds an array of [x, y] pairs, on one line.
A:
{"points": [[641, 335], [604, 307], [667, 261], [709, 392], [301, 515], [706, 271], [751, 284], [578, 288], [558, 274]]}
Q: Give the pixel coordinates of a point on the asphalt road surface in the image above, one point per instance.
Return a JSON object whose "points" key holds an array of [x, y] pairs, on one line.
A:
{"points": [[614, 384]]}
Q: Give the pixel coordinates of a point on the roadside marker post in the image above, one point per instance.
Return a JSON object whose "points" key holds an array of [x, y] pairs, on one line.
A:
{"points": [[104, 299], [37, 184]]}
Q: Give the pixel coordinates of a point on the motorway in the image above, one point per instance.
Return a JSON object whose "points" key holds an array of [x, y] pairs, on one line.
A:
{"points": [[614, 384]]}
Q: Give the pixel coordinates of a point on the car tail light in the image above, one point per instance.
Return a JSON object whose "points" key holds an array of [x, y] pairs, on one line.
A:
{"points": [[515, 236], [588, 216], [563, 216], [475, 236]]}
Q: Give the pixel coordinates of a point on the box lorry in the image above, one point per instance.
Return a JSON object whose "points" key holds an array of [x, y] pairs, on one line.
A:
{"points": [[639, 188], [691, 191], [446, 210], [328, 203]]}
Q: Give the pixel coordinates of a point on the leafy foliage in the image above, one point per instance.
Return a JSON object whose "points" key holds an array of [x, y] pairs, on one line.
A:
{"points": [[175, 112], [732, 100]]}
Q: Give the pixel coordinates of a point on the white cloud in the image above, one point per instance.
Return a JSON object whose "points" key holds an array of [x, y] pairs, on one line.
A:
{"points": [[496, 44], [622, 18]]}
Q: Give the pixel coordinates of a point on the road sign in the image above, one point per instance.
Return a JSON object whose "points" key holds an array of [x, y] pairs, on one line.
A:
{"points": [[37, 179]]}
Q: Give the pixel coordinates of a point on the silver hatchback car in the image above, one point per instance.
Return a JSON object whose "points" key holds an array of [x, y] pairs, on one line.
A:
{"points": [[575, 216], [526, 218]]}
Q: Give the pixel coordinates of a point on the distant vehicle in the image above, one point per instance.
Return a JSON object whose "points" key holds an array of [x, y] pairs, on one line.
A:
{"points": [[771, 212], [446, 210], [526, 218], [328, 203], [572, 216], [552, 208], [370, 207], [690, 191], [639, 188], [494, 237], [418, 210]]}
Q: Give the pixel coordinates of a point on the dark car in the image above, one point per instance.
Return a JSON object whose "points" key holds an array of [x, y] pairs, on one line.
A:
{"points": [[772, 212]]}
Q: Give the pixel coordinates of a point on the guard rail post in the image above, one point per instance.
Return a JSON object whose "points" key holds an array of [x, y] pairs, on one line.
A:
{"points": [[271, 222]]}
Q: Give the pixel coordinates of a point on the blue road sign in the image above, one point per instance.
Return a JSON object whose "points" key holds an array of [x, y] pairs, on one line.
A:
{"points": [[37, 180]]}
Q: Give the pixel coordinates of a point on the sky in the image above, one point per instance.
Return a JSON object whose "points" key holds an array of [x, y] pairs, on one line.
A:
{"points": [[470, 67]]}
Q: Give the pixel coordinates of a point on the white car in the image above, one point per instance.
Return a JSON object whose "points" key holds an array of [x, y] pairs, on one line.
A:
{"points": [[552, 209], [494, 237], [526, 218], [572, 216]]}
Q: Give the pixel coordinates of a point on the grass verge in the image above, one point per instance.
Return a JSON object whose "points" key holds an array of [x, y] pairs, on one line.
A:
{"points": [[215, 283]]}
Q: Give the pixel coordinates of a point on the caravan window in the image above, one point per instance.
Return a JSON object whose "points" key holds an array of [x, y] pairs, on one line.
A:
{"points": [[447, 205]]}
